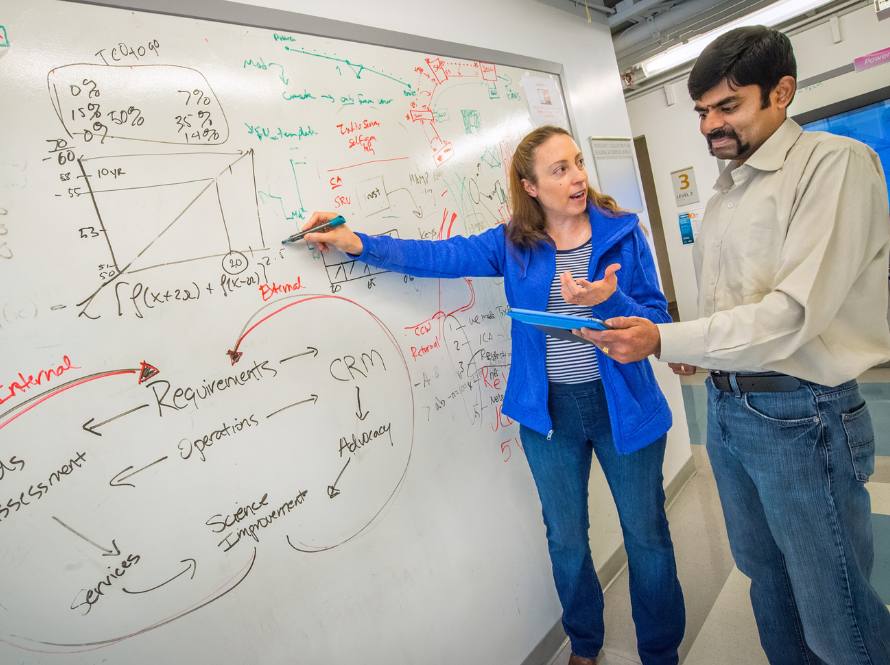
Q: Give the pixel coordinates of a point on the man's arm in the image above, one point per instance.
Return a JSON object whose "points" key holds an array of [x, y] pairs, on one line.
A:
{"points": [[835, 231]]}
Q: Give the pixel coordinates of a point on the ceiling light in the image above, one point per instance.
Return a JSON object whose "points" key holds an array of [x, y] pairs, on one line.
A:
{"points": [[774, 14]]}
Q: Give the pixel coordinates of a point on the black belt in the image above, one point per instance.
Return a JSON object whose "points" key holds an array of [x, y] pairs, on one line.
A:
{"points": [[761, 382]]}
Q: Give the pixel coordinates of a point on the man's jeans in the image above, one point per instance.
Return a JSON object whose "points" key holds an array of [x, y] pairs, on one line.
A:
{"points": [[561, 469], [791, 470]]}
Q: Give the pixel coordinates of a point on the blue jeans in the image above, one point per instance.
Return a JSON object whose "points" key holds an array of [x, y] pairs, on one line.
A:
{"points": [[791, 471], [561, 469]]}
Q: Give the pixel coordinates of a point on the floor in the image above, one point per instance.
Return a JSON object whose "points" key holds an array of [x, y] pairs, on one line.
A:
{"points": [[720, 625]]}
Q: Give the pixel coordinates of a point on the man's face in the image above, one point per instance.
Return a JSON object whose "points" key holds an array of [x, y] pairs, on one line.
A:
{"points": [[734, 122]]}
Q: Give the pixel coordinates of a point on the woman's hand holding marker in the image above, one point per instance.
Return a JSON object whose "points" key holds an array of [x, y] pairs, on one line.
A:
{"points": [[341, 236]]}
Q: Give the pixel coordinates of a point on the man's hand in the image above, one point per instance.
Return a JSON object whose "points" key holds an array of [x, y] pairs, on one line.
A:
{"points": [[682, 369], [582, 292], [632, 338]]}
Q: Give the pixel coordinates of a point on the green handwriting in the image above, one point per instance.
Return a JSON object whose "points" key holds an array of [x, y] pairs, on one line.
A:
{"points": [[346, 100], [300, 213], [259, 63], [357, 68], [278, 133]]}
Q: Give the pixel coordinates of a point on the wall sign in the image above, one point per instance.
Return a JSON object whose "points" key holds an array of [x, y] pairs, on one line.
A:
{"points": [[686, 234], [685, 189], [614, 163]]}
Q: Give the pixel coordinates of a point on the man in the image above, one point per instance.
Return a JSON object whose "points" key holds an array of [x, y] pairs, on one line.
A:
{"points": [[792, 269]]}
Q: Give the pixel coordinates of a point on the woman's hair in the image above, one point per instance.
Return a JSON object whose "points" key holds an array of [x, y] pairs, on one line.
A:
{"points": [[527, 226]]}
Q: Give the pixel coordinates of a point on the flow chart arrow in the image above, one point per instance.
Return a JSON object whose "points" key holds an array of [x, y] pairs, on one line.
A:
{"points": [[313, 398], [227, 588], [332, 489], [418, 211], [91, 428], [119, 478], [358, 413], [105, 551], [310, 349], [190, 565], [145, 369]]}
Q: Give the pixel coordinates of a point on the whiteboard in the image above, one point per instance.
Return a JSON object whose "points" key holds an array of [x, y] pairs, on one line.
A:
{"points": [[217, 449]]}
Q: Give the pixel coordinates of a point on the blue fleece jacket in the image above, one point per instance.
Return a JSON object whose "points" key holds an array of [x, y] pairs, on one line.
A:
{"points": [[638, 411]]}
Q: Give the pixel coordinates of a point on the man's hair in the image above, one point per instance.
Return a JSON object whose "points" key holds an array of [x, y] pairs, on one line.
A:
{"points": [[754, 55]]}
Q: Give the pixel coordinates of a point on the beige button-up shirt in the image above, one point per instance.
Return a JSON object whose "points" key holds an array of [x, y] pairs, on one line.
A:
{"points": [[792, 263]]}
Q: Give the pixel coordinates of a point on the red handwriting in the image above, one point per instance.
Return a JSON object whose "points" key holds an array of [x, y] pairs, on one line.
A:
{"points": [[365, 141], [340, 201], [335, 182], [422, 329], [490, 378], [23, 384], [501, 420], [442, 232], [505, 448], [440, 315], [352, 126], [274, 289], [423, 350], [434, 73]]}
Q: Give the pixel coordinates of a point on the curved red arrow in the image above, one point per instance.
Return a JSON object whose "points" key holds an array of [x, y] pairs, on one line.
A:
{"points": [[21, 409], [235, 354]]}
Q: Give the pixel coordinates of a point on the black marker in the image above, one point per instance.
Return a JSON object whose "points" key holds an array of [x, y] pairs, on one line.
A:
{"points": [[321, 228]]}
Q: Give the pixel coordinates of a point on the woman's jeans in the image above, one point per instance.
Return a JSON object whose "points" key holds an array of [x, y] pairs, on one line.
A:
{"points": [[561, 469], [791, 470]]}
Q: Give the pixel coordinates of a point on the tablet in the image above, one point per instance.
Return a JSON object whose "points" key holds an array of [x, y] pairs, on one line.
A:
{"points": [[545, 320]]}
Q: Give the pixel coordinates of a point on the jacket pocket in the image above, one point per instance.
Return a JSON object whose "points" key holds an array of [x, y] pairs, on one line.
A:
{"points": [[637, 396], [860, 441]]}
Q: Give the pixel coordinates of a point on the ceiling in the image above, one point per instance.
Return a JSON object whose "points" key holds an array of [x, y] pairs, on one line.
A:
{"points": [[642, 28]]}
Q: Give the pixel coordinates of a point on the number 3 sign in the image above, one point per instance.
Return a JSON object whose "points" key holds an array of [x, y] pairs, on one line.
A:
{"points": [[685, 189]]}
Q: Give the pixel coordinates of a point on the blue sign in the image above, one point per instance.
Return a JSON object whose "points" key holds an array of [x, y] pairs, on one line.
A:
{"points": [[686, 229]]}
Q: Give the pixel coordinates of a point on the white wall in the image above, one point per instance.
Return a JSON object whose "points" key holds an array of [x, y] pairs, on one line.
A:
{"points": [[675, 142], [530, 28]]}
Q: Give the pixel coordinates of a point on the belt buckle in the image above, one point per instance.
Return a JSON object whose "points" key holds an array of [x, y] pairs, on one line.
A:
{"points": [[721, 380]]}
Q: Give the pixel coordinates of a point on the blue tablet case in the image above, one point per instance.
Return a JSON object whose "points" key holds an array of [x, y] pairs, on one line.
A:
{"points": [[551, 320], [557, 325]]}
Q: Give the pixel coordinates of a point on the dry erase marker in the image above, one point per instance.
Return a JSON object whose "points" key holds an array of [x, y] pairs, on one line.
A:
{"points": [[321, 228]]}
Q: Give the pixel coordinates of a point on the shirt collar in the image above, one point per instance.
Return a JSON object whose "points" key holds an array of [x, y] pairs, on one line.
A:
{"points": [[768, 157], [771, 155]]}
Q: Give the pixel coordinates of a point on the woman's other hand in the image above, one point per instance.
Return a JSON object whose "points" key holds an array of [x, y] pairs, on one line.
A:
{"points": [[341, 237], [582, 292]]}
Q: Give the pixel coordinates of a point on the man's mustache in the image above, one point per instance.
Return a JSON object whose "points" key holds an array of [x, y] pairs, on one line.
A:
{"points": [[721, 134]]}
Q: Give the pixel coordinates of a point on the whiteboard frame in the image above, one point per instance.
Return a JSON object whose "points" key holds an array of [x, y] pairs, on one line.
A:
{"points": [[224, 11]]}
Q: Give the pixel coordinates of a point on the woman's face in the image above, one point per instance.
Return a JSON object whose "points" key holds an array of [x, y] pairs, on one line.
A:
{"points": [[561, 181]]}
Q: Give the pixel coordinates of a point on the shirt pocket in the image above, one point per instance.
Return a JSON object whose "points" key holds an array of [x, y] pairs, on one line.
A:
{"points": [[860, 435], [754, 244]]}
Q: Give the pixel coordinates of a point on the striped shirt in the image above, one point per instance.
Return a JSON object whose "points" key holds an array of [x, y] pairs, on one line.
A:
{"points": [[568, 361]]}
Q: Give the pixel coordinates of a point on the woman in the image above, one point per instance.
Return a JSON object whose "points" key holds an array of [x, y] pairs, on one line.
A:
{"points": [[571, 399]]}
